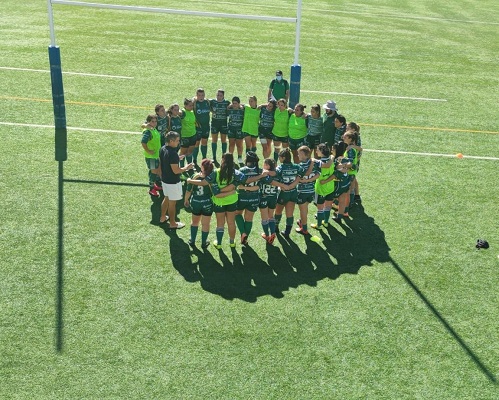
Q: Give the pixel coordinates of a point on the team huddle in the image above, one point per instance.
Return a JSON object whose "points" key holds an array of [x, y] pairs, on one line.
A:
{"points": [[315, 160]]}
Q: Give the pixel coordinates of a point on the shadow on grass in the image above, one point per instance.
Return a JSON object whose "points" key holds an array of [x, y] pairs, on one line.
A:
{"points": [[247, 274], [443, 321]]}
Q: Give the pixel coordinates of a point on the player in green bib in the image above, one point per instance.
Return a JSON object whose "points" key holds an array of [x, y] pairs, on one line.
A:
{"points": [[200, 200], [297, 130], [250, 124], [354, 127], [219, 122], [352, 154], [151, 143], [280, 132], [188, 140], [226, 178], [324, 187]]}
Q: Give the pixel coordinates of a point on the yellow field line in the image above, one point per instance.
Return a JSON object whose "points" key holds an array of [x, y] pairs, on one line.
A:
{"points": [[147, 108]]}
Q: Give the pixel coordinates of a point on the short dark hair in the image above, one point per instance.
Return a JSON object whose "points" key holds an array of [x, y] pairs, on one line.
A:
{"points": [[171, 136], [342, 119]]}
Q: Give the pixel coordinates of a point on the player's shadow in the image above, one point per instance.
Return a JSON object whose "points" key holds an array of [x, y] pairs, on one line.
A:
{"points": [[156, 206], [245, 274]]}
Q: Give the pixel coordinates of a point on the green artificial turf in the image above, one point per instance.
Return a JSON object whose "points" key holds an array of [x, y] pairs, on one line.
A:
{"points": [[395, 303]]}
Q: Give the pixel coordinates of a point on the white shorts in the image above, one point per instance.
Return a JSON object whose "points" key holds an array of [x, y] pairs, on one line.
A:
{"points": [[172, 190]]}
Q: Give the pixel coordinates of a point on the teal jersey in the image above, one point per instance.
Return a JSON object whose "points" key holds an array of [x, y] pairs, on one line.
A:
{"points": [[309, 187], [249, 172], [251, 119], [202, 110], [175, 124], [266, 118], [315, 126], [162, 126], [339, 133], [219, 109], [267, 189], [200, 194], [343, 182], [288, 173], [236, 119]]}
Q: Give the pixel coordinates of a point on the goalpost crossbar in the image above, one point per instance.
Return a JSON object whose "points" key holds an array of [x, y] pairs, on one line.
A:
{"points": [[174, 11]]}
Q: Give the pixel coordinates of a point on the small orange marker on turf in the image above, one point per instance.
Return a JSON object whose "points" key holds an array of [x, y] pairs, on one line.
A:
{"points": [[459, 155]]}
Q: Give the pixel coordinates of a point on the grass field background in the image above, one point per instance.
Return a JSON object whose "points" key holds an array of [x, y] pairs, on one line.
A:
{"points": [[394, 304]]}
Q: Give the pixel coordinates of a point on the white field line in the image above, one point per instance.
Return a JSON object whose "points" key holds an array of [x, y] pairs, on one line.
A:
{"points": [[365, 14], [67, 73], [140, 133], [70, 128], [374, 95]]}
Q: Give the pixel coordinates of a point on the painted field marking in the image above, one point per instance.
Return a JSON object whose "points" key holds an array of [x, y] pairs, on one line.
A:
{"points": [[365, 14], [428, 128], [67, 73], [74, 102], [374, 95], [140, 133], [414, 153], [70, 128]]}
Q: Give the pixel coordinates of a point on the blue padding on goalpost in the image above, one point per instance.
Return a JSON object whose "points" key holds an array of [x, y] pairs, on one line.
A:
{"points": [[61, 136], [294, 86]]}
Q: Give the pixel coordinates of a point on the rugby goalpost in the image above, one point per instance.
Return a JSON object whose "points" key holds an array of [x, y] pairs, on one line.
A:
{"points": [[60, 108]]}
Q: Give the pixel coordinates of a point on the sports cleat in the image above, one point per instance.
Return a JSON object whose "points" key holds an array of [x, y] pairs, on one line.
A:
{"points": [[191, 243], [244, 239], [205, 244], [217, 246], [299, 224], [345, 215], [263, 235], [271, 238], [317, 226], [337, 218], [154, 192], [302, 231], [285, 234]]}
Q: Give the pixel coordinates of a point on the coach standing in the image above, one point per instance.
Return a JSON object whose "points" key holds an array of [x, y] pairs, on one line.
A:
{"points": [[170, 177]]}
